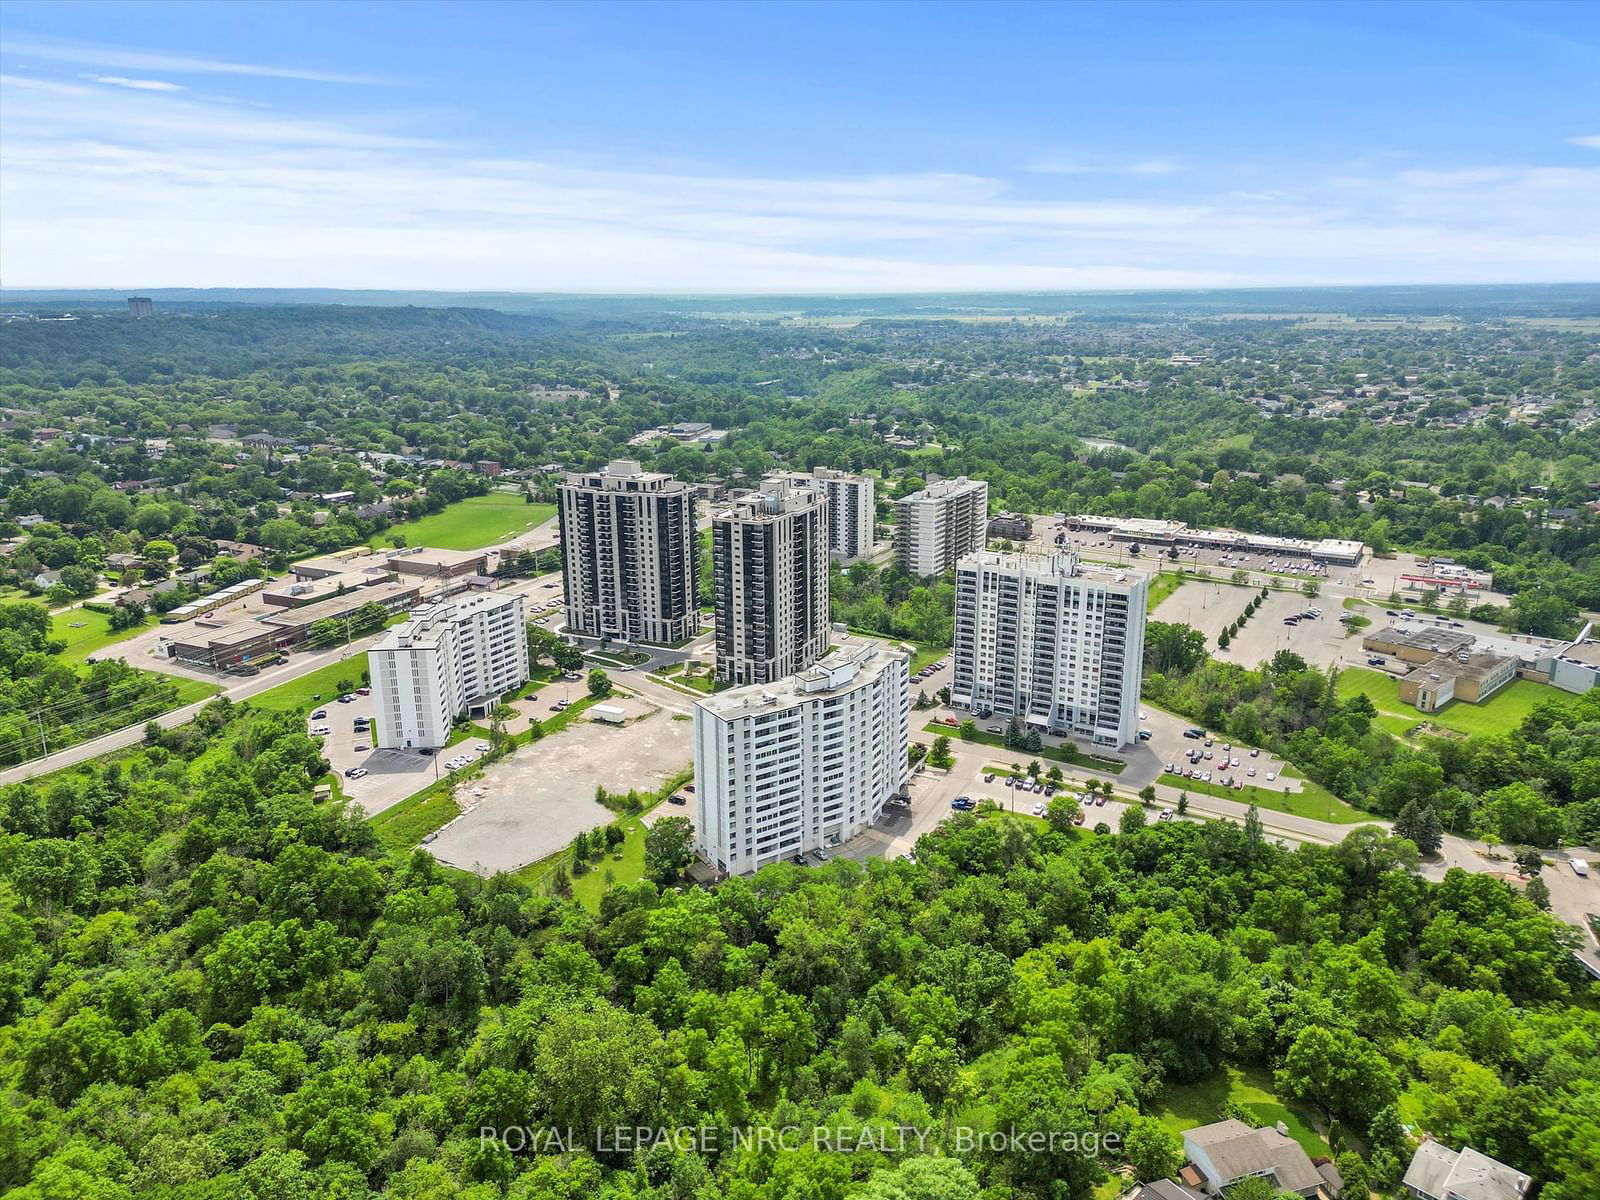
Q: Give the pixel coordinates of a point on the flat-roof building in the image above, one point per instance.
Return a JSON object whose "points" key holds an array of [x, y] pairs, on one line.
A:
{"points": [[627, 554], [936, 527], [439, 564], [447, 659], [1416, 643], [1058, 647], [795, 766], [1472, 677], [1147, 530], [769, 566], [851, 509]]}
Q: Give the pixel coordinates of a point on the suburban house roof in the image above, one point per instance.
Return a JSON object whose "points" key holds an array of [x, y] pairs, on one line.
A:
{"points": [[1236, 1150], [1445, 1174]]}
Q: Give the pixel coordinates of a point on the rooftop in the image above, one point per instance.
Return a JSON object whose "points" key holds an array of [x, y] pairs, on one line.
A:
{"points": [[853, 663], [1422, 637], [1236, 1150], [943, 489], [1479, 665], [1437, 1170]]}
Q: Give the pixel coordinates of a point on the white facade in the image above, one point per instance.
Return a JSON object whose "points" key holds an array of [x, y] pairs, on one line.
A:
{"points": [[851, 509], [627, 555], [441, 662], [1038, 638], [769, 564], [938, 526], [804, 764]]}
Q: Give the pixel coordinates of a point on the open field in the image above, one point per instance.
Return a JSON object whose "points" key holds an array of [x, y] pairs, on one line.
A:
{"points": [[300, 693], [86, 632], [1502, 713], [1313, 800], [475, 522], [1162, 586], [1184, 1105]]}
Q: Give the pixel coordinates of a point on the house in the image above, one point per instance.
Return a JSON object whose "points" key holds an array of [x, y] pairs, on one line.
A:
{"points": [[1228, 1151], [1164, 1189], [31, 521], [47, 579], [1440, 1173], [243, 551]]}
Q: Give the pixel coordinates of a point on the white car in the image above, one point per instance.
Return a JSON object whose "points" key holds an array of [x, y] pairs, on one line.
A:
{"points": [[1234, 763], [1038, 810], [1271, 775], [1252, 772], [321, 730], [1143, 716], [482, 747], [358, 773]]}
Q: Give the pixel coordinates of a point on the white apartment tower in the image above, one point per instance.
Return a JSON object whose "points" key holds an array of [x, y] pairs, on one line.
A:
{"points": [[627, 547], [1039, 639], [445, 660], [936, 527], [851, 511], [769, 563], [807, 763]]}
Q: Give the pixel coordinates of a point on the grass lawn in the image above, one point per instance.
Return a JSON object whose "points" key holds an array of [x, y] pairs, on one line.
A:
{"points": [[1500, 714], [93, 633], [1185, 1105], [298, 694], [1162, 586], [407, 823], [190, 690], [1063, 754], [473, 523], [589, 887], [1316, 801]]}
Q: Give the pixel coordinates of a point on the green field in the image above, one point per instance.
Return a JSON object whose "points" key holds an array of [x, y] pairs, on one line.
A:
{"points": [[1162, 586], [1502, 713], [1315, 801], [473, 523], [1183, 1106], [1065, 753], [299, 694], [407, 823], [589, 887], [93, 633]]}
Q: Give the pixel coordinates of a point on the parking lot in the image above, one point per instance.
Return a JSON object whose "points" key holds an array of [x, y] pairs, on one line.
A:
{"points": [[1211, 607], [533, 803], [391, 775]]}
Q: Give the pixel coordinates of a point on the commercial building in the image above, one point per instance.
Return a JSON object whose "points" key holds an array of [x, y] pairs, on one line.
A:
{"points": [[1150, 531], [1440, 1173], [1577, 667], [936, 527], [237, 646], [1416, 643], [793, 767], [769, 563], [448, 659], [1472, 677], [627, 547], [439, 564], [1016, 527], [851, 511], [1040, 638], [140, 307]]}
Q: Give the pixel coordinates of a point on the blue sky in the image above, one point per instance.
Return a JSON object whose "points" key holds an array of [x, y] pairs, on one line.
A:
{"points": [[797, 147]]}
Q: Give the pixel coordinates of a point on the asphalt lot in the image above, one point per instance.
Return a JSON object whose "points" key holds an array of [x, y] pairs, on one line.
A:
{"points": [[536, 801]]}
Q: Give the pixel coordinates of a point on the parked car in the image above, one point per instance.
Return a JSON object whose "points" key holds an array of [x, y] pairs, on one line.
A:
{"points": [[989, 778], [680, 801], [820, 854], [356, 772], [1271, 775], [1038, 810], [319, 714], [1100, 800]]}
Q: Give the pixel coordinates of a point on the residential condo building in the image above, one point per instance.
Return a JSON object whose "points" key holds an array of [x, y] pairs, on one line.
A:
{"points": [[936, 527], [627, 545], [804, 764], [851, 511], [769, 561], [448, 659], [1061, 649]]}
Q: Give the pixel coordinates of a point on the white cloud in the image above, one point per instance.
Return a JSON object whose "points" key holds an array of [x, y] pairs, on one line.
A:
{"points": [[1591, 140], [146, 189], [58, 50], [138, 85], [1051, 165]]}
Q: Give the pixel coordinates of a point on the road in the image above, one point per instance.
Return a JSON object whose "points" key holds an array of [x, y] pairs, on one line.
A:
{"points": [[239, 689]]}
